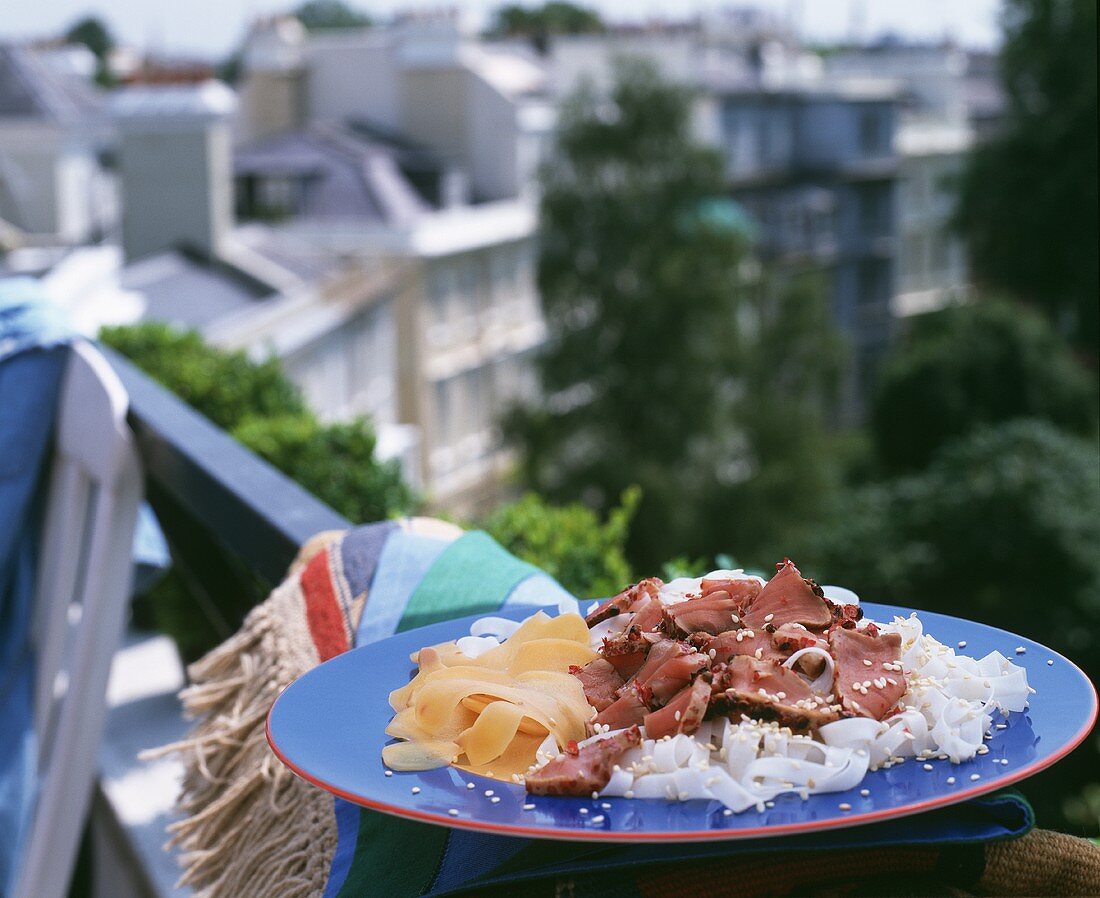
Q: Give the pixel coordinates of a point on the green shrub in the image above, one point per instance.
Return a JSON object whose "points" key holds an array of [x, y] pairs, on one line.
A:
{"points": [[569, 542], [226, 387], [335, 462]]}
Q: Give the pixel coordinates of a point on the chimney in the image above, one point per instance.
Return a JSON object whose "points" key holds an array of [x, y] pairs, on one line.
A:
{"points": [[175, 167]]}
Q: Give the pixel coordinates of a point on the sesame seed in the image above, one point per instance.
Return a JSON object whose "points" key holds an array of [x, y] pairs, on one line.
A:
{"points": [[974, 777], [864, 792], [677, 715], [768, 618], [389, 773], [415, 790], [584, 810], [962, 644], [629, 793], [928, 767], [844, 806], [951, 781], [453, 812], [1050, 662], [495, 799], [470, 786], [595, 795], [488, 793], [605, 805], [1020, 650], [866, 663], [599, 818], [1001, 726], [727, 813], [528, 807]]}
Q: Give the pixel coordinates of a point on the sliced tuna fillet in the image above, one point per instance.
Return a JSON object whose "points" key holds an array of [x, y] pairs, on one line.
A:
{"points": [[627, 710], [601, 682], [864, 684], [584, 770], [788, 598], [683, 714], [674, 675], [764, 690], [627, 651], [754, 643], [713, 613]]}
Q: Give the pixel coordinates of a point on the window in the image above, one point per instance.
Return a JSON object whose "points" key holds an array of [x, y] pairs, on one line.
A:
{"points": [[873, 136]]}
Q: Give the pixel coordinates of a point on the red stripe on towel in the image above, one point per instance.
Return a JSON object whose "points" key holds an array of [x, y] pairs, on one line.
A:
{"points": [[326, 619]]}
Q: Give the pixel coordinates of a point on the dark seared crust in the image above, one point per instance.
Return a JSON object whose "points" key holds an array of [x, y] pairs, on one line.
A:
{"points": [[618, 604], [733, 703]]}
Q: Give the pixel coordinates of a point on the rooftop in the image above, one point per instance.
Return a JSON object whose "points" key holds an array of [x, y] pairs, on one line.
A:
{"points": [[32, 88], [338, 173]]}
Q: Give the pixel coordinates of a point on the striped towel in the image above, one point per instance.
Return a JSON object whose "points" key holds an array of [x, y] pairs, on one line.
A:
{"points": [[251, 828]]}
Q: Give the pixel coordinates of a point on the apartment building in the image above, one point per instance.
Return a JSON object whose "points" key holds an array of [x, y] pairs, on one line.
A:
{"points": [[935, 131], [817, 170]]}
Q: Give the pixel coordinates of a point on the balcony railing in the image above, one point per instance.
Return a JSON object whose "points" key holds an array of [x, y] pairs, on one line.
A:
{"points": [[234, 524]]}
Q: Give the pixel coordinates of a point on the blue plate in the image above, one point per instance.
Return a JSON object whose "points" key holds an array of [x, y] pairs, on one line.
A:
{"points": [[328, 727]]}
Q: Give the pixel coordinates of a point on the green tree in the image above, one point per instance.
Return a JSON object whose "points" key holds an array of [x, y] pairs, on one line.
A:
{"points": [[569, 542], [652, 317], [538, 23], [328, 15], [1002, 527], [969, 365], [1029, 196], [93, 33]]}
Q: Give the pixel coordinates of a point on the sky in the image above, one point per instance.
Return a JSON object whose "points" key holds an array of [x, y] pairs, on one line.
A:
{"points": [[212, 28]]}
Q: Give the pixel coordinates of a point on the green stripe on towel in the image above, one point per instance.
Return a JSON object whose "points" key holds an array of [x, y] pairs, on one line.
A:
{"points": [[474, 575]]}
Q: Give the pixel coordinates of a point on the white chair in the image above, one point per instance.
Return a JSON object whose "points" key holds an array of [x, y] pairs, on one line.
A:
{"points": [[83, 588]]}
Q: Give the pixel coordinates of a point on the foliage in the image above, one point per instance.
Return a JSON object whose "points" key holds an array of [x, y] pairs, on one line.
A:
{"points": [[257, 404], [655, 327], [227, 387], [329, 15], [93, 33], [335, 462], [964, 366], [537, 23], [569, 542], [1029, 195], [1002, 527]]}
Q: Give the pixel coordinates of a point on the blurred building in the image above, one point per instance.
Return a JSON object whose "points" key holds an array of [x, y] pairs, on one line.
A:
{"points": [[483, 109], [816, 168], [934, 134], [53, 188]]}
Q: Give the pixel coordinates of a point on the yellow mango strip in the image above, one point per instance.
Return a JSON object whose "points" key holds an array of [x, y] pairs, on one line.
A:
{"points": [[519, 755], [494, 730], [405, 756], [550, 654]]}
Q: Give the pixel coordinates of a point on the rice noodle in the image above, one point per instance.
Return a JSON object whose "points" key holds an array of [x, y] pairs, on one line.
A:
{"points": [[823, 683]]}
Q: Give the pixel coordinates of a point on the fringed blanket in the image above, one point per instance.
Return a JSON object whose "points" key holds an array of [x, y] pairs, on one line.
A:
{"points": [[253, 829]]}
